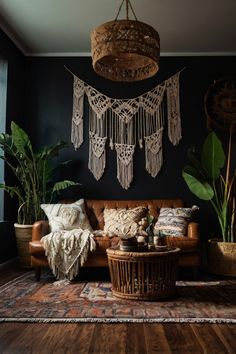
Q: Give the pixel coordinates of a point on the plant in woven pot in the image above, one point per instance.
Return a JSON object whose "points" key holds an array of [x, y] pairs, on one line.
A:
{"points": [[211, 177], [34, 174]]}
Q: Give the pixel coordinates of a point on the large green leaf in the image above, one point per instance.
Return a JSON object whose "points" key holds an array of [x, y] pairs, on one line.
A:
{"points": [[200, 188], [11, 190], [213, 156], [6, 144], [63, 185], [51, 150], [63, 164], [195, 160], [20, 139], [191, 170], [3, 139]]}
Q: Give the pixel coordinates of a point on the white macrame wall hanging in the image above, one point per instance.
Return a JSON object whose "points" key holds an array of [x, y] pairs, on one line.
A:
{"points": [[126, 123]]}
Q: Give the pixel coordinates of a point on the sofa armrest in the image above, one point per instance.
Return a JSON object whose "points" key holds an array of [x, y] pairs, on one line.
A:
{"points": [[40, 229], [193, 230]]}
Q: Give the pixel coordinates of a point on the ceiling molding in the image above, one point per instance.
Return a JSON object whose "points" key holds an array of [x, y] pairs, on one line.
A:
{"points": [[54, 54], [19, 45], [11, 34], [164, 54], [198, 54]]}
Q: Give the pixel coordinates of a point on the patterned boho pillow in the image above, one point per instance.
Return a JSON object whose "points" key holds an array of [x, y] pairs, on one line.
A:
{"points": [[174, 221], [123, 222], [67, 216]]}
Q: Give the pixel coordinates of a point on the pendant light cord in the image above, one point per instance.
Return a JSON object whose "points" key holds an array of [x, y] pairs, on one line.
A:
{"points": [[127, 9], [128, 4], [132, 10]]}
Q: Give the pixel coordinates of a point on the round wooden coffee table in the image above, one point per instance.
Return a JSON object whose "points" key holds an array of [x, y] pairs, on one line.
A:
{"points": [[143, 275]]}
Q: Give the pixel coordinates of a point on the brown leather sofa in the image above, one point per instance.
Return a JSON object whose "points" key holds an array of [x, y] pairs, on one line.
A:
{"points": [[189, 244]]}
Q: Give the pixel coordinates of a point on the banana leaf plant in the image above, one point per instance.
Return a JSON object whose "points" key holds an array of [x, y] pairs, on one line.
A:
{"points": [[33, 171], [212, 178]]}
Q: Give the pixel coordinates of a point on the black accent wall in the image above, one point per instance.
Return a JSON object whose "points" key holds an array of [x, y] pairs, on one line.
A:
{"points": [[48, 118], [16, 79]]}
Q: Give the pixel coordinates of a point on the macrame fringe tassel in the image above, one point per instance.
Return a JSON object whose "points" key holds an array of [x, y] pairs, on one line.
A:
{"points": [[77, 116], [125, 164], [97, 155], [173, 110], [96, 165], [153, 152], [153, 162], [77, 133], [124, 173]]}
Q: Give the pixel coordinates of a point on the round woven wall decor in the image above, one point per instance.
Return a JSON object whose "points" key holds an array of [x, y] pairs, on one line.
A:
{"points": [[220, 103], [125, 50]]}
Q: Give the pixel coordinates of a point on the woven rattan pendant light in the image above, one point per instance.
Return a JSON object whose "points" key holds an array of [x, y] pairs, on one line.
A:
{"points": [[125, 50]]}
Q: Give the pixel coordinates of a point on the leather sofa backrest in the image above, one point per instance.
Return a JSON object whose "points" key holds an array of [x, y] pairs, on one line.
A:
{"points": [[95, 208]]}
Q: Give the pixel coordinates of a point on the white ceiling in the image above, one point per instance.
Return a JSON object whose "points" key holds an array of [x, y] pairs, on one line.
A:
{"points": [[62, 27]]}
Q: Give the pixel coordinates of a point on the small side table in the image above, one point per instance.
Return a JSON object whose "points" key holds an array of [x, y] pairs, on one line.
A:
{"points": [[143, 275]]}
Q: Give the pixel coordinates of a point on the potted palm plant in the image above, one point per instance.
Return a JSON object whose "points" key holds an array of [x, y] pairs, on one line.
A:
{"points": [[34, 174], [212, 178]]}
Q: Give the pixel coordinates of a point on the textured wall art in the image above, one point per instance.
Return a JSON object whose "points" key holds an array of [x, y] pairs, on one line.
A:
{"points": [[124, 124]]}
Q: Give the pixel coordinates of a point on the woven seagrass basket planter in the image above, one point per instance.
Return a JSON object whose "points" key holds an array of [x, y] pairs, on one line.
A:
{"points": [[222, 257], [23, 237]]}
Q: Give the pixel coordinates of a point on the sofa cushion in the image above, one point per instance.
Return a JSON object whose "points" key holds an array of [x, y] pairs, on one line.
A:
{"points": [[95, 208], [174, 221], [186, 244], [123, 221], [67, 216]]}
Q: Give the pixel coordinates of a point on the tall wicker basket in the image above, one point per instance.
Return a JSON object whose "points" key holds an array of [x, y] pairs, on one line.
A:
{"points": [[23, 237], [222, 257]]}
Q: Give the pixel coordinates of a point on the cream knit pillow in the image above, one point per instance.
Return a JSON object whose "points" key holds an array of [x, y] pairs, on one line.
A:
{"points": [[123, 222], [67, 216]]}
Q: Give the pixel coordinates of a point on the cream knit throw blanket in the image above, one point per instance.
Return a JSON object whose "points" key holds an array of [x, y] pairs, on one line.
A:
{"points": [[67, 251]]}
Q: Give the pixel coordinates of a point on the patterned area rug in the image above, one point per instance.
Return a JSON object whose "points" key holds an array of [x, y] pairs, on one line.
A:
{"points": [[25, 300]]}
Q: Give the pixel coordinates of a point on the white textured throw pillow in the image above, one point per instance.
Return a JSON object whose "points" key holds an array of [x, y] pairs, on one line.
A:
{"points": [[67, 216], [123, 221], [174, 221]]}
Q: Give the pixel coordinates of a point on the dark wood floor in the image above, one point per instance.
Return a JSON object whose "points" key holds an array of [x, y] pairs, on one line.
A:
{"points": [[113, 338]]}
